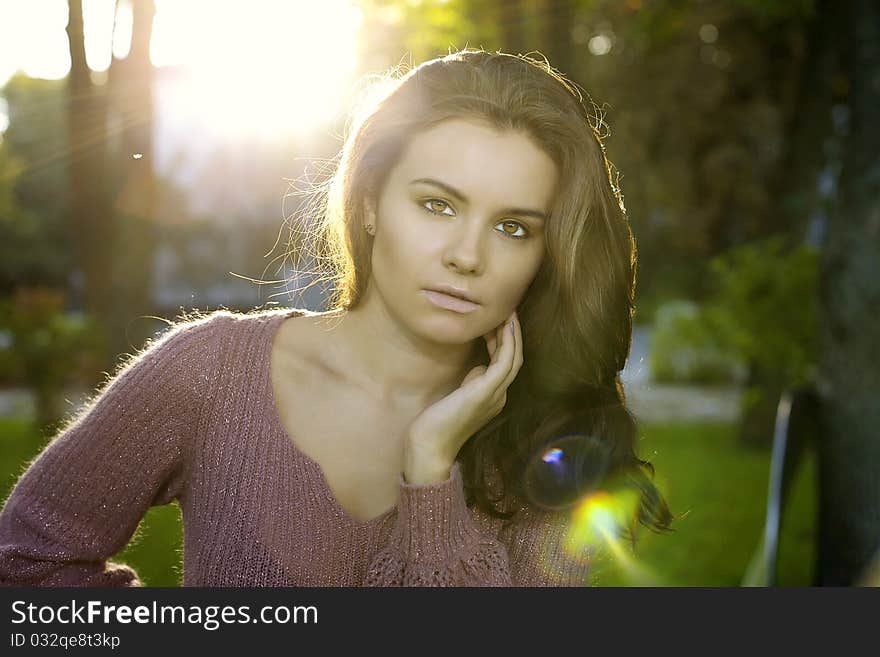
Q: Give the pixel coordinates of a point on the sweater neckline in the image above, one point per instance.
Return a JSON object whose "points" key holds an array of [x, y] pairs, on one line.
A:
{"points": [[282, 433]]}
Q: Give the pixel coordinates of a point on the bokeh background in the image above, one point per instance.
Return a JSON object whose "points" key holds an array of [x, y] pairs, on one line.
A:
{"points": [[153, 153]]}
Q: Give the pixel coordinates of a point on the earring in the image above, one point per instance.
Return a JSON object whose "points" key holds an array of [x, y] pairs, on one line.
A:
{"points": [[369, 228]]}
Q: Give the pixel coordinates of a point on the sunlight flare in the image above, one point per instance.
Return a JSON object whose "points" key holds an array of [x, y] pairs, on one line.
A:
{"points": [[259, 67], [597, 523]]}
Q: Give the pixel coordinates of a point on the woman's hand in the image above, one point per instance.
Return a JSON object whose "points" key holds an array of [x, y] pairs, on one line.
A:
{"points": [[438, 433]]}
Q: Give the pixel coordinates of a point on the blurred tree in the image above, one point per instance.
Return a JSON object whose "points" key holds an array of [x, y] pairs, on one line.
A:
{"points": [[49, 349], [111, 189], [134, 185], [34, 249], [45, 348], [807, 123], [763, 309], [422, 29], [850, 295], [88, 212]]}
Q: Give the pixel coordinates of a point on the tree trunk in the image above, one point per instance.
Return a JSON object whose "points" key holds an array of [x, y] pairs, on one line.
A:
{"points": [[807, 125], [849, 468], [87, 208], [131, 81]]}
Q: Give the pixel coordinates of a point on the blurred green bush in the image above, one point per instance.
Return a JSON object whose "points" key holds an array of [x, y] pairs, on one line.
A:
{"points": [[684, 349], [44, 348], [760, 316]]}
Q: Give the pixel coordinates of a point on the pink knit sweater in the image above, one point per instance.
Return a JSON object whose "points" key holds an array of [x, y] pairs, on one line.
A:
{"points": [[193, 419]]}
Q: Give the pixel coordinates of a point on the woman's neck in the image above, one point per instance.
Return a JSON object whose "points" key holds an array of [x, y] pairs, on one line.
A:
{"points": [[396, 367]]}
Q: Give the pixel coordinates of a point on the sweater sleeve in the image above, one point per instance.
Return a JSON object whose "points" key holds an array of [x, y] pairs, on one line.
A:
{"points": [[81, 500], [436, 541]]}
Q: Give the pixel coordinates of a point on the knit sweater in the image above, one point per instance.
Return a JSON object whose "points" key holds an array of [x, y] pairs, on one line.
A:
{"points": [[192, 418]]}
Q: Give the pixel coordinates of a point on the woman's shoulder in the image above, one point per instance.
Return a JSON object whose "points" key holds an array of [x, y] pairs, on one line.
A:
{"points": [[224, 334], [204, 324], [204, 336], [231, 337]]}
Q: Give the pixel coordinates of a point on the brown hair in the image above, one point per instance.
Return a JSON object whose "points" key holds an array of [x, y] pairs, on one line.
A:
{"points": [[577, 314]]}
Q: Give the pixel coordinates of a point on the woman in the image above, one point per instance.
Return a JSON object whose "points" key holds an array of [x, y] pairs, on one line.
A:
{"points": [[472, 218]]}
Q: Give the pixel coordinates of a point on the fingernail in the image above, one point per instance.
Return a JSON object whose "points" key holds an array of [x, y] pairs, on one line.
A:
{"points": [[510, 326]]}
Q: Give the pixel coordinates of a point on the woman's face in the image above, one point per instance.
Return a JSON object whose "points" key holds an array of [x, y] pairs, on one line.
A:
{"points": [[465, 206]]}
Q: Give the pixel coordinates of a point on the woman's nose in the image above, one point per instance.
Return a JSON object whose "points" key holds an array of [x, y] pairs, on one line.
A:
{"points": [[464, 251]]}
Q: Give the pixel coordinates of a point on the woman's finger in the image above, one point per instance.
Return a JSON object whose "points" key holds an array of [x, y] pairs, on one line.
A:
{"points": [[491, 342], [499, 369], [518, 353], [495, 337], [474, 373]]}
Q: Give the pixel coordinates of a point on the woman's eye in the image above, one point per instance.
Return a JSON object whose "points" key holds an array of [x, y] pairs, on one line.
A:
{"points": [[512, 229], [436, 206], [520, 232]]}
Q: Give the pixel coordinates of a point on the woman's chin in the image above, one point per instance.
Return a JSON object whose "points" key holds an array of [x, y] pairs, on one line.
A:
{"points": [[458, 330]]}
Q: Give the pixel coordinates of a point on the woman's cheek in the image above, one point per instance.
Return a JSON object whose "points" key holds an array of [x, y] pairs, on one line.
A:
{"points": [[519, 285]]}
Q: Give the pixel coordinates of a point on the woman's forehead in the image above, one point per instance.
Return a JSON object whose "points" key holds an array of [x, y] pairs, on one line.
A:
{"points": [[479, 161]]}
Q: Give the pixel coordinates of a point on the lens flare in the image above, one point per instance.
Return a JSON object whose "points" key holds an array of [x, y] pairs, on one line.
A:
{"points": [[571, 474], [553, 456], [598, 521], [565, 469]]}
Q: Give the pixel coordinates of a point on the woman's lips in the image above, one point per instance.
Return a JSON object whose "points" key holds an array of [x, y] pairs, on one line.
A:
{"points": [[449, 302]]}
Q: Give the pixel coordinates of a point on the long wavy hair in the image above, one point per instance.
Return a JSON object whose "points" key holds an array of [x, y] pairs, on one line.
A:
{"points": [[565, 429]]}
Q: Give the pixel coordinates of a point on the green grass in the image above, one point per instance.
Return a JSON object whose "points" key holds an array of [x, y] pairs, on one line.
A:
{"points": [[717, 490], [719, 487]]}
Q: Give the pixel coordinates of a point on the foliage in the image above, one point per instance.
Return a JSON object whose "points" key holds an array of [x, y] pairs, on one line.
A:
{"points": [[684, 349], [10, 170], [46, 348], [422, 29], [765, 304], [761, 310], [35, 249]]}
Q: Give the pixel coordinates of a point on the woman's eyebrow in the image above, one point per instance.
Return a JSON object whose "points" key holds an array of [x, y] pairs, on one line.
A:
{"points": [[452, 191]]}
